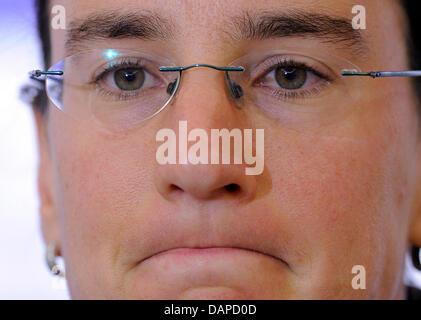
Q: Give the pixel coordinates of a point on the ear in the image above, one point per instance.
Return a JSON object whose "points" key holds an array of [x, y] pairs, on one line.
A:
{"points": [[47, 210], [415, 222]]}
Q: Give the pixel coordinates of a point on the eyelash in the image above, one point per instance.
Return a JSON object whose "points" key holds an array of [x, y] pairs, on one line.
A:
{"points": [[282, 62]]}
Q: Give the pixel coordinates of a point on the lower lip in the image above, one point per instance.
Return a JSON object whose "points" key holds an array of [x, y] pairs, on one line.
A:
{"points": [[211, 273], [208, 266]]}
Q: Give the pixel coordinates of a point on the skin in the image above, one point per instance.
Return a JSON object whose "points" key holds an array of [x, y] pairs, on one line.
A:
{"points": [[330, 197]]}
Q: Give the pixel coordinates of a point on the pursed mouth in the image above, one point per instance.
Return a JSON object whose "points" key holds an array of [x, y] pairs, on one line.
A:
{"points": [[210, 250]]}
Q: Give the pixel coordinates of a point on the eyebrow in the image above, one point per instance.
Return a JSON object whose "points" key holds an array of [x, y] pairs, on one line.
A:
{"points": [[257, 26], [297, 23], [116, 25]]}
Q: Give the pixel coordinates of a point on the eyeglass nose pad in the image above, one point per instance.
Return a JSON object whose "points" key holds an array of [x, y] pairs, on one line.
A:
{"points": [[236, 90], [171, 87]]}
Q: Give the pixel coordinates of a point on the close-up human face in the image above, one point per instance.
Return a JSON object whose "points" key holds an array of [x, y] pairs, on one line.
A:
{"points": [[340, 177]]}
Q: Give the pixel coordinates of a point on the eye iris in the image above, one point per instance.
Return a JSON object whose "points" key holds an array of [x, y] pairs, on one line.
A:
{"points": [[290, 77], [129, 79]]}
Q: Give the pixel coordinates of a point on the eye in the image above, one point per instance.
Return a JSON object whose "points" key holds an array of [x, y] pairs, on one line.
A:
{"points": [[129, 78], [292, 78]]}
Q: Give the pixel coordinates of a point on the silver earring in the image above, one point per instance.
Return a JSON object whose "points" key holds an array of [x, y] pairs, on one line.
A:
{"points": [[50, 257]]}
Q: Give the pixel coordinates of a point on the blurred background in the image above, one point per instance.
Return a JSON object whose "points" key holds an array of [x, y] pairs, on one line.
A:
{"points": [[23, 271]]}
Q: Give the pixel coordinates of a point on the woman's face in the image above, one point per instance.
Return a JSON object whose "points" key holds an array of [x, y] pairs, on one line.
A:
{"points": [[332, 195]]}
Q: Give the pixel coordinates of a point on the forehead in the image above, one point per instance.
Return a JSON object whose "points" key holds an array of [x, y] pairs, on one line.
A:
{"points": [[202, 27]]}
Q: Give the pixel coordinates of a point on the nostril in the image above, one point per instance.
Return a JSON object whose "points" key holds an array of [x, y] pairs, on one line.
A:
{"points": [[174, 187], [233, 187]]}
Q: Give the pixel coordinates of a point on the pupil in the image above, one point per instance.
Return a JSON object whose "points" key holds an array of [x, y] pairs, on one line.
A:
{"points": [[290, 74], [130, 76]]}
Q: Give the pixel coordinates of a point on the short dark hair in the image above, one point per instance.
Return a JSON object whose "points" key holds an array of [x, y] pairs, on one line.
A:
{"points": [[40, 102], [413, 44]]}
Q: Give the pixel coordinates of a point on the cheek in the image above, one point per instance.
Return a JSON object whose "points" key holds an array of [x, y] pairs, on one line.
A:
{"points": [[346, 191], [329, 186], [105, 181], [101, 183]]}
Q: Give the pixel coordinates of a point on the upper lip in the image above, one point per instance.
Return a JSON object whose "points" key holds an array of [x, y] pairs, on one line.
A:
{"points": [[255, 232]]}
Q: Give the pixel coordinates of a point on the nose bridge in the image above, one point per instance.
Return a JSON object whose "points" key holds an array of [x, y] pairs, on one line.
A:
{"points": [[203, 97], [202, 102]]}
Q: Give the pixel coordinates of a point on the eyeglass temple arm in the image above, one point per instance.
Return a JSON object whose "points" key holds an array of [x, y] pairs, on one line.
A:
{"points": [[379, 74], [36, 74], [39, 73]]}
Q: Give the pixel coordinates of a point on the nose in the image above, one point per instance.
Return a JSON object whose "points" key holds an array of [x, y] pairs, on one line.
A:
{"points": [[203, 102]]}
